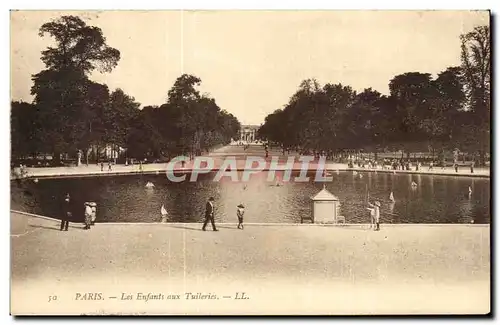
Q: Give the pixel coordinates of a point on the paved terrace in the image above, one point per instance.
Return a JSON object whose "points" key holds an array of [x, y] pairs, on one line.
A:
{"points": [[283, 269], [236, 151]]}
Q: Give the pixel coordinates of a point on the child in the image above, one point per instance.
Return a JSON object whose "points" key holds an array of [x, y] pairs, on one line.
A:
{"points": [[240, 212], [88, 215], [375, 215], [93, 205]]}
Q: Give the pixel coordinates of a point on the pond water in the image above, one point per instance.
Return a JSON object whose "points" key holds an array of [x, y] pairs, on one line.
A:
{"points": [[436, 199]]}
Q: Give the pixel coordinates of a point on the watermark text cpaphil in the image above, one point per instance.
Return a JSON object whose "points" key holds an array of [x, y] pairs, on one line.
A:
{"points": [[181, 168]]}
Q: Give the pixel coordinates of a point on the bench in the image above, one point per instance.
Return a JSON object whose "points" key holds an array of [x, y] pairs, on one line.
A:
{"points": [[340, 220], [310, 218]]}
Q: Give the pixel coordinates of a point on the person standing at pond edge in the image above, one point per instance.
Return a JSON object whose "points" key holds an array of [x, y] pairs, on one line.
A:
{"points": [[88, 215], [240, 212], [66, 213], [375, 214], [209, 214]]}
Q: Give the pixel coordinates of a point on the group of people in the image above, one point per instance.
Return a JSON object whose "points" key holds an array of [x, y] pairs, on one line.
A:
{"points": [[67, 214], [20, 172], [210, 215], [401, 164], [109, 166], [90, 214]]}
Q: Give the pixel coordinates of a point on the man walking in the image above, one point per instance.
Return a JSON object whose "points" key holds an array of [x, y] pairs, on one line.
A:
{"points": [[66, 213], [209, 214], [240, 212]]}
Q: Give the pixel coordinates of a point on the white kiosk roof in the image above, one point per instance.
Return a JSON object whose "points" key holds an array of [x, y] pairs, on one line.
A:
{"points": [[324, 195]]}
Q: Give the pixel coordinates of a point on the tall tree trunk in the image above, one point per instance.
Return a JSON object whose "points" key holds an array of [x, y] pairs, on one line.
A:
{"points": [[482, 158], [56, 157]]}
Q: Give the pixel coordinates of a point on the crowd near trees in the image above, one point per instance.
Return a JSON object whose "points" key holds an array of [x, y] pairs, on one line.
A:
{"points": [[421, 113], [70, 113]]}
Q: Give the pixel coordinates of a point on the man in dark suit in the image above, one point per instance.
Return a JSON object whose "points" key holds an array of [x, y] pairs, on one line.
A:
{"points": [[66, 215], [209, 214]]}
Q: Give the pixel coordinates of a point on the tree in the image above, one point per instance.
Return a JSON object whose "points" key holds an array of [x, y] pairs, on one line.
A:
{"points": [[442, 124], [60, 100], [411, 92], [193, 121], [94, 130], [451, 111], [23, 127], [362, 119], [145, 138], [476, 66], [78, 46], [61, 90], [336, 117], [121, 110]]}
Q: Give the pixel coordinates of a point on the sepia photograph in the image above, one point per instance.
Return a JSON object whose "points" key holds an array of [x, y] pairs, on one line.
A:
{"points": [[250, 162]]}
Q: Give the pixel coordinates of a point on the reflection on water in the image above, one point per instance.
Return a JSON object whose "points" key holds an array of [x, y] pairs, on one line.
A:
{"points": [[436, 199]]}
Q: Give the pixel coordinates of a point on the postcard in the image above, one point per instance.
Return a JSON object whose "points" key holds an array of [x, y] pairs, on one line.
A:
{"points": [[212, 162]]}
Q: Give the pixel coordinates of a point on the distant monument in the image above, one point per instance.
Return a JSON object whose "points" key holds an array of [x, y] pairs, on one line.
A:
{"points": [[248, 133]]}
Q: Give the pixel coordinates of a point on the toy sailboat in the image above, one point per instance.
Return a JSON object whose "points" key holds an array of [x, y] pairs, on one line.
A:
{"points": [[163, 211], [391, 197]]}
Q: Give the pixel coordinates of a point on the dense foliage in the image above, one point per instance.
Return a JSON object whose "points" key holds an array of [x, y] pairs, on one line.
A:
{"points": [[71, 113], [451, 111]]}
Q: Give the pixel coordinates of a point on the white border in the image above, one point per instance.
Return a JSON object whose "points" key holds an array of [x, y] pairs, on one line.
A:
{"points": [[255, 4], [186, 4]]}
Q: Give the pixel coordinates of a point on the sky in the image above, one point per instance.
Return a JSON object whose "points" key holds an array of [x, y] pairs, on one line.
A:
{"points": [[252, 62]]}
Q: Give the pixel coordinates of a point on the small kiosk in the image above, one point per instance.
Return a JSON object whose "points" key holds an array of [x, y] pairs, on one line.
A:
{"points": [[326, 208]]}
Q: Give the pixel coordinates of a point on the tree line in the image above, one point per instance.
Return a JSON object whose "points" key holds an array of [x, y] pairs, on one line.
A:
{"points": [[71, 113], [448, 112]]}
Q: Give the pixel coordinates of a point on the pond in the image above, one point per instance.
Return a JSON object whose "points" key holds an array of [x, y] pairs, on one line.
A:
{"points": [[435, 199]]}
